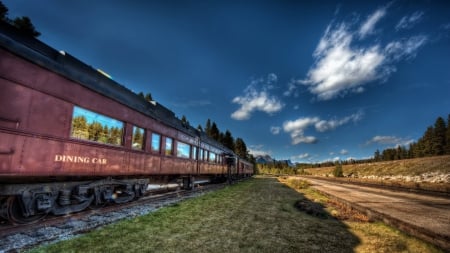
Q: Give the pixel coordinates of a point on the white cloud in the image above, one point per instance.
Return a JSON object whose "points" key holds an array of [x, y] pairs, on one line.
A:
{"points": [[368, 27], [301, 157], [296, 128], [275, 130], [257, 150], [254, 100], [340, 68], [389, 140], [343, 152], [407, 22], [405, 48], [324, 125], [272, 78], [344, 64]]}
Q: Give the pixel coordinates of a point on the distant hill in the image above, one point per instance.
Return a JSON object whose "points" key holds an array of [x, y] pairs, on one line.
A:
{"points": [[428, 169], [264, 159]]}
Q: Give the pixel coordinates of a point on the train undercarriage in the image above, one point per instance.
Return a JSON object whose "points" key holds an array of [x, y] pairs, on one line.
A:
{"points": [[35, 201]]}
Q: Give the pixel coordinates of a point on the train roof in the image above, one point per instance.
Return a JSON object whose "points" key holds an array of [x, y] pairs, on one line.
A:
{"points": [[70, 67]]}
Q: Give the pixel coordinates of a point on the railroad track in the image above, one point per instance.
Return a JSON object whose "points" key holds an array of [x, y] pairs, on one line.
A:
{"points": [[14, 238]]}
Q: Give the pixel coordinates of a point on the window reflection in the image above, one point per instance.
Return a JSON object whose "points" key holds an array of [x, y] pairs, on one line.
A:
{"points": [[169, 146], [92, 126], [156, 142], [183, 150], [138, 138]]}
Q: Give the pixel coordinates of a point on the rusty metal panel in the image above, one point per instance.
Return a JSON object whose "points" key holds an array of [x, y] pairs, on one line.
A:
{"points": [[18, 70], [136, 163], [209, 168], [14, 105], [26, 109], [152, 164], [48, 115], [8, 149], [172, 165], [35, 157]]}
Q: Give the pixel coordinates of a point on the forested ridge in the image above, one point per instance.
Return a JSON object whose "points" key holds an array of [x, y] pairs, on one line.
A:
{"points": [[434, 142]]}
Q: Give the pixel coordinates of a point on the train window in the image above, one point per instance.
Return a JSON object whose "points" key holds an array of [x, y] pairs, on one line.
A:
{"points": [[200, 156], [194, 153], [212, 157], [138, 138], [92, 126], [156, 142], [169, 146], [183, 150]]}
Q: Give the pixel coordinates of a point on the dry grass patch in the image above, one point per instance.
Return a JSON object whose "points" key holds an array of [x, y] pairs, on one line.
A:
{"points": [[373, 236]]}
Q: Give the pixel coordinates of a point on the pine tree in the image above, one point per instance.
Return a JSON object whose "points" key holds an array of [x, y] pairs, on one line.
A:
{"points": [[228, 140], [240, 148], [427, 140], [25, 26], [377, 156], [215, 132], [148, 97], [3, 12], [208, 127], [438, 142], [447, 137]]}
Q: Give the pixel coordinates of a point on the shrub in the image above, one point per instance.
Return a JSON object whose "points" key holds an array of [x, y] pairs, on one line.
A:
{"points": [[338, 172]]}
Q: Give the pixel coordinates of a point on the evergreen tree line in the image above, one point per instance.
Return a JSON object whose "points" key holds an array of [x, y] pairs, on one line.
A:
{"points": [[281, 168], [226, 138], [23, 24], [95, 131], [434, 142]]}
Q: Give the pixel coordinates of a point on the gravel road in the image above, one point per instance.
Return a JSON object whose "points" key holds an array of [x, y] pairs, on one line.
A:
{"points": [[424, 216]]}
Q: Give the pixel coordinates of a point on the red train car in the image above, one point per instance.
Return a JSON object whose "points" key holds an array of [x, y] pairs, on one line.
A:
{"points": [[70, 137]]}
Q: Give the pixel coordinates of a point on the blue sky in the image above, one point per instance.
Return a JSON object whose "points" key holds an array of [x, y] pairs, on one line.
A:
{"points": [[296, 80]]}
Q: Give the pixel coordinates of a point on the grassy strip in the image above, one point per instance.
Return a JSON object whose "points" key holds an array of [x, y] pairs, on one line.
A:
{"points": [[253, 216]]}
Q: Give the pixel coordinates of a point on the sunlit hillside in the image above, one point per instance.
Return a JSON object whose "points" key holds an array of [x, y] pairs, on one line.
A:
{"points": [[429, 169]]}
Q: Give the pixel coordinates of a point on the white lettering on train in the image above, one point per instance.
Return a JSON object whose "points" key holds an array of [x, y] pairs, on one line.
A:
{"points": [[79, 159]]}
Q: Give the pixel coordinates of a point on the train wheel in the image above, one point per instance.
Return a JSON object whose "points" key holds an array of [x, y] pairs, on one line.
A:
{"points": [[14, 212]]}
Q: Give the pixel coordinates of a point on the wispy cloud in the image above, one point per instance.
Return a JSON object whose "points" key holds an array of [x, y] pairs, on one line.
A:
{"points": [[344, 63], [368, 26], [257, 100], [300, 157], [275, 130], [389, 140], [296, 128], [407, 22], [326, 125], [343, 152], [405, 48], [258, 150]]}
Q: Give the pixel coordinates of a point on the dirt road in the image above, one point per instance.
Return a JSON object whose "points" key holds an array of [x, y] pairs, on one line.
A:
{"points": [[427, 217]]}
